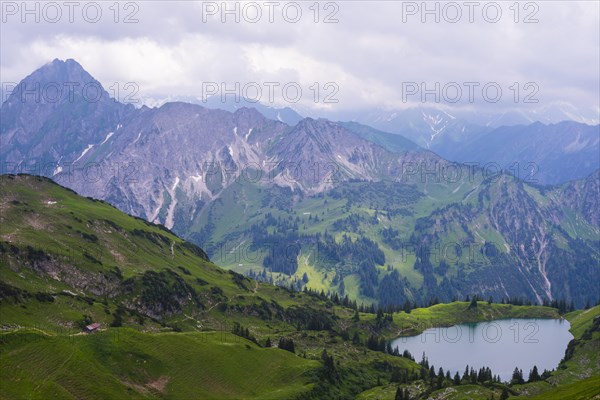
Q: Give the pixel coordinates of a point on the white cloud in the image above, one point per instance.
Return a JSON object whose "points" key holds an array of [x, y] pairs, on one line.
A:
{"points": [[369, 53]]}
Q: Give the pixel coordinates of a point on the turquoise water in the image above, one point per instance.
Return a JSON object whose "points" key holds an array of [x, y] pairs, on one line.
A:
{"points": [[501, 345]]}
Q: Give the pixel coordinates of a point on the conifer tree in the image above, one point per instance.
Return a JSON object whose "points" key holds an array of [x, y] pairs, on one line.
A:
{"points": [[534, 375], [399, 394], [456, 379], [517, 377], [473, 303]]}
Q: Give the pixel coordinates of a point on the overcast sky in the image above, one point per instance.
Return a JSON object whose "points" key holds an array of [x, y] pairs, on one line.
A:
{"points": [[372, 54]]}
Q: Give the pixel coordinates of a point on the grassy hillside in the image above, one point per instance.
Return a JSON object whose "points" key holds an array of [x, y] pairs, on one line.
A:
{"points": [[172, 323], [583, 390], [426, 238], [125, 363], [457, 312], [67, 255]]}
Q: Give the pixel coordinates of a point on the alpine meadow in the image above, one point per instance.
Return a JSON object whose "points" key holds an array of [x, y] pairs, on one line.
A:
{"points": [[300, 200]]}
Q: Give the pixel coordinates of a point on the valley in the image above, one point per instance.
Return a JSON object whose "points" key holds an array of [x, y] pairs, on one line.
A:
{"points": [[295, 246], [324, 200], [175, 325], [338, 207]]}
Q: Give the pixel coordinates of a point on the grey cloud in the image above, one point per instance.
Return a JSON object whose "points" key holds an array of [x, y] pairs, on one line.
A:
{"points": [[370, 52]]}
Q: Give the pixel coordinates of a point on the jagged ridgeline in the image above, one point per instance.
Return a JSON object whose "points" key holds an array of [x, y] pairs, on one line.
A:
{"points": [[331, 206]]}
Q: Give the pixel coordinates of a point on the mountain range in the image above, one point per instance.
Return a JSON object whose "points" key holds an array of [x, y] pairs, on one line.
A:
{"points": [[548, 145], [539, 152], [419, 213]]}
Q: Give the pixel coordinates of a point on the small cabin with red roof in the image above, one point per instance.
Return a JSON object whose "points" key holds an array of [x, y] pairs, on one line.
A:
{"points": [[92, 327]]}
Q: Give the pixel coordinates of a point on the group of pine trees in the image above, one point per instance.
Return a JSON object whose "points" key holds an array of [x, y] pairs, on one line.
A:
{"points": [[402, 394], [239, 330], [286, 344], [390, 303], [440, 379], [534, 376], [329, 370]]}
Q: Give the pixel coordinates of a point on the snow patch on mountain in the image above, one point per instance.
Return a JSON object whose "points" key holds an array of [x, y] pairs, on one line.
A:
{"points": [[576, 145], [437, 124], [108, 136], [58, 168], [171, 210], [83, 153]]}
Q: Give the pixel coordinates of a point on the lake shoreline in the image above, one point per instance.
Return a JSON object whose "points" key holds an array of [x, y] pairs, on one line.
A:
{"points": [[458, 312], [501, 345]]}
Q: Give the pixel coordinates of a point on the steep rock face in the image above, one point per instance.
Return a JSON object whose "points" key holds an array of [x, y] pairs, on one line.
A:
{"points": [[54, 114], [178, 150], [584, 196], [137, 158], [531, 251], [214, 175], [524, 225], [514, 263], [318, 154], [165, 163]]}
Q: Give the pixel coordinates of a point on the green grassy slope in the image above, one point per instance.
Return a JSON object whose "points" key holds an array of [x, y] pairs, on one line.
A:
{"points": [[69, 255], [67, 260], [125, 363], [465, 224], [582, 390], [458, 311]]}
